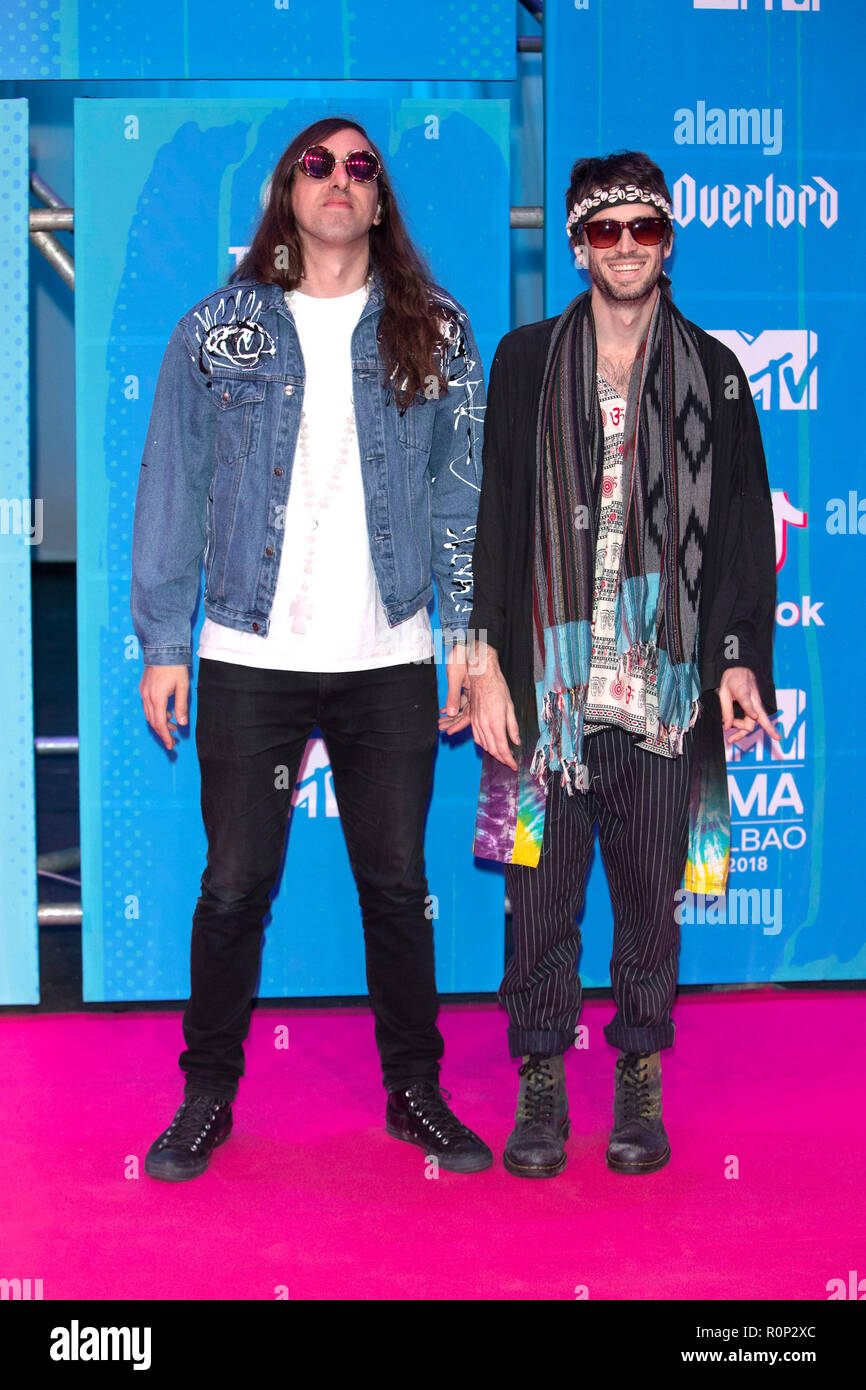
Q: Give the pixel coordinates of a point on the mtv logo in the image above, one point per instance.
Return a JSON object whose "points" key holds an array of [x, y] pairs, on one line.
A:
{"points": [[781, 364], [791, 721], [315, 784]]}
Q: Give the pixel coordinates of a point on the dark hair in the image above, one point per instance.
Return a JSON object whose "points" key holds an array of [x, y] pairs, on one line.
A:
{"points": [[411, 332], [612, 170]]}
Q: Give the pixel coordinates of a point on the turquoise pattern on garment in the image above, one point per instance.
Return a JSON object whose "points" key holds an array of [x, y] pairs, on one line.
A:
{"points": [[676, 686], [636, 610], [560, 695]]}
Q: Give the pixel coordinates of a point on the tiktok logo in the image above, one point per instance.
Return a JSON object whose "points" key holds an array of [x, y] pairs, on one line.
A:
{"points": [[785, 514], [314, 790]]}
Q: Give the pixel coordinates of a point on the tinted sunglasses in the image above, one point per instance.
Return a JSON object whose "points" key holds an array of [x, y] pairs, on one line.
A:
{"points": [[647, 231], [318, 162]]}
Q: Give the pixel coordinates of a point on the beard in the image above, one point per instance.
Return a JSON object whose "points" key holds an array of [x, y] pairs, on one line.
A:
{"points": [[638, 290]]}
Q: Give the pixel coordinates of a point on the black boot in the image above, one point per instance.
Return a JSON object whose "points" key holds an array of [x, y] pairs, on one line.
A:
{"points": [[638, 1143], [535, 1147], [183, 1150], [419, 1115]]}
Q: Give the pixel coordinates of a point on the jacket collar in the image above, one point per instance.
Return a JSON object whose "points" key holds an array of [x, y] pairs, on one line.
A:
{"points": [[272, 296]]}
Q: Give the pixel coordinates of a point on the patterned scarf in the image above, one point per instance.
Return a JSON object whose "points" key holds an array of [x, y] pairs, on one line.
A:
{"points": [[666, 461], [666, 480]]}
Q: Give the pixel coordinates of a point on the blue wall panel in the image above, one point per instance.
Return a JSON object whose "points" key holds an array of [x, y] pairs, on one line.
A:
{"points": [[21, 526], [749, 110], [456, 39]]}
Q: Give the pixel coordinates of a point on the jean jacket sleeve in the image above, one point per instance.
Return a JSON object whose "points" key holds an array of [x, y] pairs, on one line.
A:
{"points": [[455, 477], [170, 524]]}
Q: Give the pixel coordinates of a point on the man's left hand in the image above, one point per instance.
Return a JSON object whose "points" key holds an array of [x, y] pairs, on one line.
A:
{"points": [[455, 711], [738, 683]]}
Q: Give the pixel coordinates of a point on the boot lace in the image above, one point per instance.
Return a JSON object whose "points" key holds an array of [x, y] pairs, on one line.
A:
{"points": [[635, 1089], [536, 1100], [427, 1102], [192, 1122]]}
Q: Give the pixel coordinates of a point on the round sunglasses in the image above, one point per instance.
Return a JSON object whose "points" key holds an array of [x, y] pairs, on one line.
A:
{"points": [[318, 162], [602, 235]]}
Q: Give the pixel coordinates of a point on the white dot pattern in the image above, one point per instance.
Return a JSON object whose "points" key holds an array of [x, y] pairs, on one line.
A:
{"points": [[19, 961]]}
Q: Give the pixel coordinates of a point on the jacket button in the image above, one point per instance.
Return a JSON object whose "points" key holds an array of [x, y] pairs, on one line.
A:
{"points": [[278, 472], [255, 627], [269, 550], [289, 390]]}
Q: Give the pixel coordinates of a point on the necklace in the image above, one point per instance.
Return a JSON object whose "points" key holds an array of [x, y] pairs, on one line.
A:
{"points": [[302, 607]]}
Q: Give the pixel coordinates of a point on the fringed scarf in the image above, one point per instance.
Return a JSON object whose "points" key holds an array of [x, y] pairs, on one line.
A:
{"points": [[667, 465], [666, 462]]}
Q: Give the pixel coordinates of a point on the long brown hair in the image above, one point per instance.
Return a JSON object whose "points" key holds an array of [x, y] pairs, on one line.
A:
{"points": [[411, 334]]}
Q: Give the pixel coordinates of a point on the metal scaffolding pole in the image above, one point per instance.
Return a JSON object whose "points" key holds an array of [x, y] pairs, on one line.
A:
{"points": [[43, 222]]}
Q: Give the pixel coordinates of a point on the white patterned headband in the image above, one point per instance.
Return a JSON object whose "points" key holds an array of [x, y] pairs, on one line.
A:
{"points": [[630, 193]]}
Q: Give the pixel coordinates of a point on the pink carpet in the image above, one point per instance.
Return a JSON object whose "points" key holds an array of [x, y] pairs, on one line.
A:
{"points": [[311, 1195]]}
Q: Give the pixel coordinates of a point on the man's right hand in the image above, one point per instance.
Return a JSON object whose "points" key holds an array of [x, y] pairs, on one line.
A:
{"points": [[492, 712], [157, 686]]}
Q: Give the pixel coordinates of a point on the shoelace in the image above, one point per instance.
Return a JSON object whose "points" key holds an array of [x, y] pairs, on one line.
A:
{"points": [[536, 1104], [427, 1103], [634, 1088], [192, 1122]]}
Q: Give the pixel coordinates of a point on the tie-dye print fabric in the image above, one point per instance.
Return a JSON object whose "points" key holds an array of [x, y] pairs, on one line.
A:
{"points": [[709, 805], [509, 826]]}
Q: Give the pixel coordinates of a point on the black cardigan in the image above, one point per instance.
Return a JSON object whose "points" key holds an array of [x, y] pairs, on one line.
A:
{"points": [[738, 580]]}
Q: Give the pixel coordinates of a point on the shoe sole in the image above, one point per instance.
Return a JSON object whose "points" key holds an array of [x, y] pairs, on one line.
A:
{"points": [[468, 1165], [519, 1170], [635, 1169], [167, 1175]]}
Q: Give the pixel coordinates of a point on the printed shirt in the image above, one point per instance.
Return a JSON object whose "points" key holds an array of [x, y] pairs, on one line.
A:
{"points": [[614, 697]]}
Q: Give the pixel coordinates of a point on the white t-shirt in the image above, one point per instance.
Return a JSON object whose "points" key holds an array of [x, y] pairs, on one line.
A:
{"points": [[344, 621]]}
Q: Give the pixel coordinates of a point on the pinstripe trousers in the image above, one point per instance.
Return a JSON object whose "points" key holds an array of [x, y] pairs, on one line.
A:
{"points": [[640, 801]]}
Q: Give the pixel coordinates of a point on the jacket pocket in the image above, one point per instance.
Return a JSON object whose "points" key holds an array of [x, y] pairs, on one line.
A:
{"points": [[239, 407], [415, 424]]}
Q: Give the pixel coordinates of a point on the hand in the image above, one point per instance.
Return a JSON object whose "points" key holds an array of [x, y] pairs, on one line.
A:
{"points": [[455, 711], [157, 686], [738, 683], [492, 711]]}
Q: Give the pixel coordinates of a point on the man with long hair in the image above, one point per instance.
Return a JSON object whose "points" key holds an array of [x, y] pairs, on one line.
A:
{"points": [[315, 435], [625, 574]]}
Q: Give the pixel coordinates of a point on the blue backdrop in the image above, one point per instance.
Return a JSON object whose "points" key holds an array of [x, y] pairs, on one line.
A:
{"points": [[750, 106], [160, 205], [20, 530], [263, 38], [749, 109]]}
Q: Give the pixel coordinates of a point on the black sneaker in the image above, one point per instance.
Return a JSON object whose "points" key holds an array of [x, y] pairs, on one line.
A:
{"points": [[536, 1146], [183, 1150], [420, 1115], [638, 1143]]}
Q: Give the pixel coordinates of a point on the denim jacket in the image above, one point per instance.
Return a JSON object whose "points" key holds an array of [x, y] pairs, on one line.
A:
{"points": [[217, 468]]}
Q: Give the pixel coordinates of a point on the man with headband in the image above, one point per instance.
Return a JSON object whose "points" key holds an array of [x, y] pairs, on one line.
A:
{"points": [[625, 575]]}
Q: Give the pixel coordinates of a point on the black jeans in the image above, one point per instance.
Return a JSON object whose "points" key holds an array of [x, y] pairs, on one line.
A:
{"points": [[252, 726]]}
